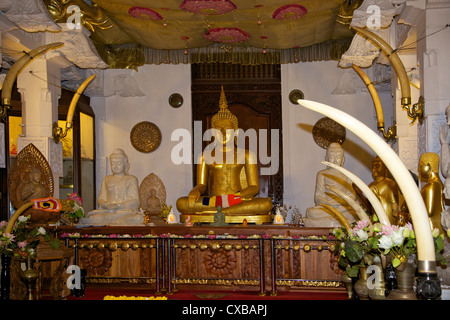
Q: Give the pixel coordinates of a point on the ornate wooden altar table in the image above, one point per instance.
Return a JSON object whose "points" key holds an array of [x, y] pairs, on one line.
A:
{"points": [[168, 257]]}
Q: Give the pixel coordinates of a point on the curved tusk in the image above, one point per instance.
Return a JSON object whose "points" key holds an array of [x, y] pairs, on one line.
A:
{"points": [[390, 135], [396, 63], [75, 98], [374, 201], [425, 242], [339, 215], [362, 215], [58, 134], [16, 215], [19, 65]]}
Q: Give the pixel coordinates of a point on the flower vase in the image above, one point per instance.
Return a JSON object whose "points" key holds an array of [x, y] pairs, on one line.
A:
{"points": [[361, 287], [404, 273]]}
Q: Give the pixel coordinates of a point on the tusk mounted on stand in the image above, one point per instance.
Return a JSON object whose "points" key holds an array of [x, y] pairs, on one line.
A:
{"points": [[391, 133], [376, 204], [16, 68], [426, 265], [58, 132], [415, 112]]}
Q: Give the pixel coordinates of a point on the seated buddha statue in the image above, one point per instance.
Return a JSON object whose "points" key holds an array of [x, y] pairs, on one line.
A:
{"points": [[433, 190], [118, 200], [385, 189], [318, 216], [219, 173]]}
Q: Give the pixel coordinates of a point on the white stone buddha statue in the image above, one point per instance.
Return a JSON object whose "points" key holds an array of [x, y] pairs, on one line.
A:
{"points": [[118, 201], [318, 216]]}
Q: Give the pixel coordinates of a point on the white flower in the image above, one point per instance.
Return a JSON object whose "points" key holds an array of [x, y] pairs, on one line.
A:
{"points": [[22, 218], [42, 231], [397, 237], [362, 235], [385, 242]]}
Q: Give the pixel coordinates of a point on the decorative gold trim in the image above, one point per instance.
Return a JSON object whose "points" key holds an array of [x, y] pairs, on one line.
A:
{"points": [[219, 282], [309, 283], [209, 218], [115, 280]]}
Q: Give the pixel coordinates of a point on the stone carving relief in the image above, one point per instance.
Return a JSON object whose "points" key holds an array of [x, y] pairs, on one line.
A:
{"points": [[31, 16], [152, 194], [77, 48]]}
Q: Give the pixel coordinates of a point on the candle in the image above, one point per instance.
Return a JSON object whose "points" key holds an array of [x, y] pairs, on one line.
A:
{"points": [[376, 204], [419, 215]]}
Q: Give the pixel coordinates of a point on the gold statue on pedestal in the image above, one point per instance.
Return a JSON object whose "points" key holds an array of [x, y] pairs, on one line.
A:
{"points": [[230, 175], [432, 191], [385, 189]]}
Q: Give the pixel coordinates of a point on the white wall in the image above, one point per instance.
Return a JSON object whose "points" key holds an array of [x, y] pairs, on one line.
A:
{"points": [[302, 156], [116, 116]]}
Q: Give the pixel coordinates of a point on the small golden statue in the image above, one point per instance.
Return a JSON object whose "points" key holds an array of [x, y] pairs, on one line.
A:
{"points": [[432, 191], [223, 180], [385, 189]]}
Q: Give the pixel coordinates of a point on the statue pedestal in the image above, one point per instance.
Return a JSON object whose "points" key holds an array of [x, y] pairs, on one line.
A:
{"points": [[209, 218]]}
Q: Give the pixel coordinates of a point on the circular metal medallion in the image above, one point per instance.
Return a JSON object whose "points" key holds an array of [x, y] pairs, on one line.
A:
{"points": [[295, 95], [145, 137], [327, 131], [176, 100]]}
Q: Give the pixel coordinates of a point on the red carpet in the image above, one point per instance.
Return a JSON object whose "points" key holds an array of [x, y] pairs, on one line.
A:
{"points": [[100, 293]]}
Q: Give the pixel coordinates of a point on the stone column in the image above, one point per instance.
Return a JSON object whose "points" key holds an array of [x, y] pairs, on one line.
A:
{"points": [[39, 87]]}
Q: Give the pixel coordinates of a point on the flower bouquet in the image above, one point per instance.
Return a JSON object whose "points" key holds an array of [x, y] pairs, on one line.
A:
{"points": [[400, 242], [355, 247], [23, 240], [72, 208]]}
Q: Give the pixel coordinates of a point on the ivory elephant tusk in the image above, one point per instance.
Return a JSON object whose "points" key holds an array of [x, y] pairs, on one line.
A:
{"points": [[395, 61], [16, 215], [376, 204], [18, 66], [75, 98], [391, 132], [58, 133], [338, 215], [362, 215], [425, 243]]}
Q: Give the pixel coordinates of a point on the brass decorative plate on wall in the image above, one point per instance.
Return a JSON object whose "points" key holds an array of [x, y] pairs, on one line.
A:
{"points": [[176, 100], [327, 131], [145, 136]]}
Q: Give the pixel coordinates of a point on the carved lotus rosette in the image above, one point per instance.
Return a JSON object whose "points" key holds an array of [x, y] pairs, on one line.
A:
{"points": [[96, 261], [220, 262]]}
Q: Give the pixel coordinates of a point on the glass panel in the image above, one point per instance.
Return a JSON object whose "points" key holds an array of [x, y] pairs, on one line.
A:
{"points": [[15, 130], [87, 161], [66, 181]]}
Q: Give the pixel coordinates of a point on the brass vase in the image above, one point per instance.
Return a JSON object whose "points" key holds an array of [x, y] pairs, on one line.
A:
{"points": [[29, 277], [348, 283], [361, 287], [405, 274]]}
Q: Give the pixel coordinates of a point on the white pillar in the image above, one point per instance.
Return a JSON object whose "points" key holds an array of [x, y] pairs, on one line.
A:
{"points": [[39, 87]]}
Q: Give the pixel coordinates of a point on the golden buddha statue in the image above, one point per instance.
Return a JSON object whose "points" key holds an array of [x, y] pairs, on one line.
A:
{"points": [[385, 189], [432, 191], [229, 174]]}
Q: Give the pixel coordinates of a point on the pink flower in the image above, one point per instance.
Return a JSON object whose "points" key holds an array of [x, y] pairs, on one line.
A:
{"points": [[3, 223], [187, 236], [212, 236], [113, 235], [76, 198], [22, 244]]}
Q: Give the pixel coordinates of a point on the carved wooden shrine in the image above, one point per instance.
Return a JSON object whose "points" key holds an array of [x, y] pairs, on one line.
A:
{"points": [[165, 258]]}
